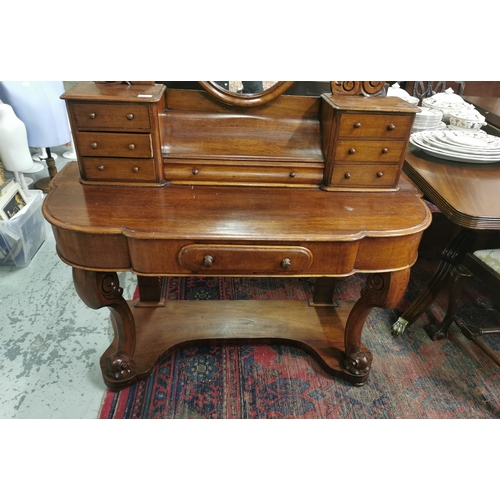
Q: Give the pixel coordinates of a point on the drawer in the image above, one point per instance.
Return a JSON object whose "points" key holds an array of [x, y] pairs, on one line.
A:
{"points": [[245, 259], [372, 151], [92, 116], [364, 125], [194, 174], [114, 144], [374, 176], [116, 169]]}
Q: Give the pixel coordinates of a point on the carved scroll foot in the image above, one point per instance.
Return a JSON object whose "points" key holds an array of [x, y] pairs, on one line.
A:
{"points": [[452, 255], [98, 290], [381, 290]]}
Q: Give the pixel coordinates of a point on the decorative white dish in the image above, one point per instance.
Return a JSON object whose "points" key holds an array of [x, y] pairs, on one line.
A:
{"points": [[396, 91], [470, 119], [448, 102]]}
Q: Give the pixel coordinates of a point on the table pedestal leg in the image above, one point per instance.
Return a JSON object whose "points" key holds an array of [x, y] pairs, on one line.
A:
{"points": [[381, 290], [452, 255], [101, 289]]}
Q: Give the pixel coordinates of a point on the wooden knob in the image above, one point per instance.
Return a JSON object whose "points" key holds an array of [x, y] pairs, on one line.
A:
{"points": [[208, 260], [357, 125], [380, 174], [131, 146], [196, 171], [101, 167], [385, 151], [347, 175], [93, 145], [135, 169], [130, 116], [286, 263], [391, 126], [352, 151], [292, 174], [91, 116]]}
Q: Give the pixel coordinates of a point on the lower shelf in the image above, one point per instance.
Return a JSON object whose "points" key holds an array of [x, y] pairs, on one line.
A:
{"points": [[161, 330]]}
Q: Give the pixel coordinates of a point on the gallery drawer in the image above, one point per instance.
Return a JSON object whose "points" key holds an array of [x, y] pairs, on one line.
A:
{"points": [[95, 116], [372, 151], [364, 125], [117, 169], [362, 175], [114, 144]]}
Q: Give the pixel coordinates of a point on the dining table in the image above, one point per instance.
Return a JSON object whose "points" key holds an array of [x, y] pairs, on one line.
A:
{"points": [[468, 195]]}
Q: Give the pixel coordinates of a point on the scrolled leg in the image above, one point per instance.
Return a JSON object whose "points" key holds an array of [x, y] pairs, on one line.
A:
{"points": [[102, 289], [382, 290]]}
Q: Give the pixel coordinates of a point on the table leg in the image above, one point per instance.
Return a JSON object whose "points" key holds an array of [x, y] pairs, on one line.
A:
{"points": [[452, 255], [101, 289], [150, 291], [323, 291], [381, 290]]}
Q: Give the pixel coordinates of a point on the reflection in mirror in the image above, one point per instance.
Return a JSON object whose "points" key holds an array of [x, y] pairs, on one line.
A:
{"points": [[245, 87]]}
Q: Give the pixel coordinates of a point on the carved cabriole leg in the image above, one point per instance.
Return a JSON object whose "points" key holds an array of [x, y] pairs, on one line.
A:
{"points": [[452, 255], [97, 290], [439, 331], [381, 290]]}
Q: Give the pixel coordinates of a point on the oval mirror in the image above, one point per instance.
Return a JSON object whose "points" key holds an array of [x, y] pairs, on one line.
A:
{"points": [[245, 93]]}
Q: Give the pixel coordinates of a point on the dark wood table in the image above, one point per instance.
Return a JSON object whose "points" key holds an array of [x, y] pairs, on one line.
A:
{"points": [[468, 195], [255, 231]]}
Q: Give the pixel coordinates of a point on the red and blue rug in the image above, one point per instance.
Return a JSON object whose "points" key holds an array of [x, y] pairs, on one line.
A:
{"points": [[411, 376]]}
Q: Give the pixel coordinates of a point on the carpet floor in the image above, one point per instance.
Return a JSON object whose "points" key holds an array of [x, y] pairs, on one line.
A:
{"points": [[412, 377]]}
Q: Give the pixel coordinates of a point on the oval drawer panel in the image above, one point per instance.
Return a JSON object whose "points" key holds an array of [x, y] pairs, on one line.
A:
{"points": [[92, 116], [114, 144], [245, 259]]}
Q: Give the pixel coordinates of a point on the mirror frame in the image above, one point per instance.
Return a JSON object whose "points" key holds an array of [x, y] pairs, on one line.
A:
{"points": [[246, 100]]}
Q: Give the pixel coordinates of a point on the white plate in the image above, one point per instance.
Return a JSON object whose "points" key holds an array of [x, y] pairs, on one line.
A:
{"points": [[453, 156]]}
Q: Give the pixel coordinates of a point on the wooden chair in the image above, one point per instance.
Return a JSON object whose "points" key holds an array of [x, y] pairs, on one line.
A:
{"points": [[485, 265]]}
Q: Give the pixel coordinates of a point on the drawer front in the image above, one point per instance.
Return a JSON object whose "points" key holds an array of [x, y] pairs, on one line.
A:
{"points": [[115, 169], [367, 125], [92, 116], [114, 144], [372, 151], [373, 176], [245, 259], [203, 174]]}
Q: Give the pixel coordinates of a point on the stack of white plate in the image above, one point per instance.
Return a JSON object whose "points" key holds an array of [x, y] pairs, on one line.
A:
{"points": [[456, 145], [428, 119]]}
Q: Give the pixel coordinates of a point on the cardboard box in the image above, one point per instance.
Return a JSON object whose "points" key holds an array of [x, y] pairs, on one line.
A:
{"points": [[24, 233]]}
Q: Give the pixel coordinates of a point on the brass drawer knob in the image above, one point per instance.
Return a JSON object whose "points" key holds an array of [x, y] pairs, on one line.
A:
{"points": [[92, 116], [208, 260], [130, 116], [391, 126], [286, 263], [357, 125], [380, 174], [131, 146], [195, 171], [352, 151], [347, 175], [101, 167], [93, 145], [385, 151], [135, 170]]}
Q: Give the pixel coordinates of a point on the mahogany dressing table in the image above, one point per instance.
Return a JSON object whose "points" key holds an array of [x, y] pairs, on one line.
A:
{"points": [[205, 182]]}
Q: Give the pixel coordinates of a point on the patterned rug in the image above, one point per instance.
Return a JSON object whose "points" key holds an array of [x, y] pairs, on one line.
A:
{"points": [[411, 377]]}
